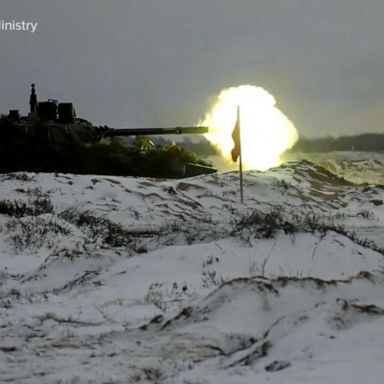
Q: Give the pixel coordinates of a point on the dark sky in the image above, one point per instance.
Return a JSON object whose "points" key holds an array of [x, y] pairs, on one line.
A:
{"points": [[128, 63]]}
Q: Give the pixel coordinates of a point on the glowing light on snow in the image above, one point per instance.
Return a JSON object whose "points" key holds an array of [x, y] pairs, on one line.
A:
{"points": [[265, 131]]}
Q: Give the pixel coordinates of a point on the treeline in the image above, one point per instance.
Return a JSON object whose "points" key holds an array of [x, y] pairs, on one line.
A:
{"points": [[371, 142]]}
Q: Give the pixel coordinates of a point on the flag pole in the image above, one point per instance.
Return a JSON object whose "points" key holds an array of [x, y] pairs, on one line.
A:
{"points": [[240, 158]]}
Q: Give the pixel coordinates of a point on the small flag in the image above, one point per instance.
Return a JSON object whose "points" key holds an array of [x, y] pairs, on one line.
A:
{"points": [[235, 153]]}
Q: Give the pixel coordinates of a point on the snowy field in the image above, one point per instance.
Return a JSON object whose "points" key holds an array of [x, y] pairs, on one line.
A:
{"points": [[133, 280], [358, 167]]}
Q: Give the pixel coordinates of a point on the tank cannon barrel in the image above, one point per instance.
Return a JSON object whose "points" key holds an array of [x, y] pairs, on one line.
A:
{"points": [[155, 131]]}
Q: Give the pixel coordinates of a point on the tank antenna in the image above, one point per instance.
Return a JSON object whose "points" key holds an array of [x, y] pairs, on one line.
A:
{"points": [[33, 100]]}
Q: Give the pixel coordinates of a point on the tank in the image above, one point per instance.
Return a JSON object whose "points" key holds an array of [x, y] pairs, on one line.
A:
{"points": [[56, 125]]}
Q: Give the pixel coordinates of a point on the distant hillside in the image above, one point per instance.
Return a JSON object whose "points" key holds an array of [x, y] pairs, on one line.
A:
{"points": [[363, 142], [367, 142]]}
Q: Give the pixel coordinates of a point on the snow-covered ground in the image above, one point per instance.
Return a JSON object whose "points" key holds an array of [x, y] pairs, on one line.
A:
{"points": [[358, 167], [133, 280]]}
